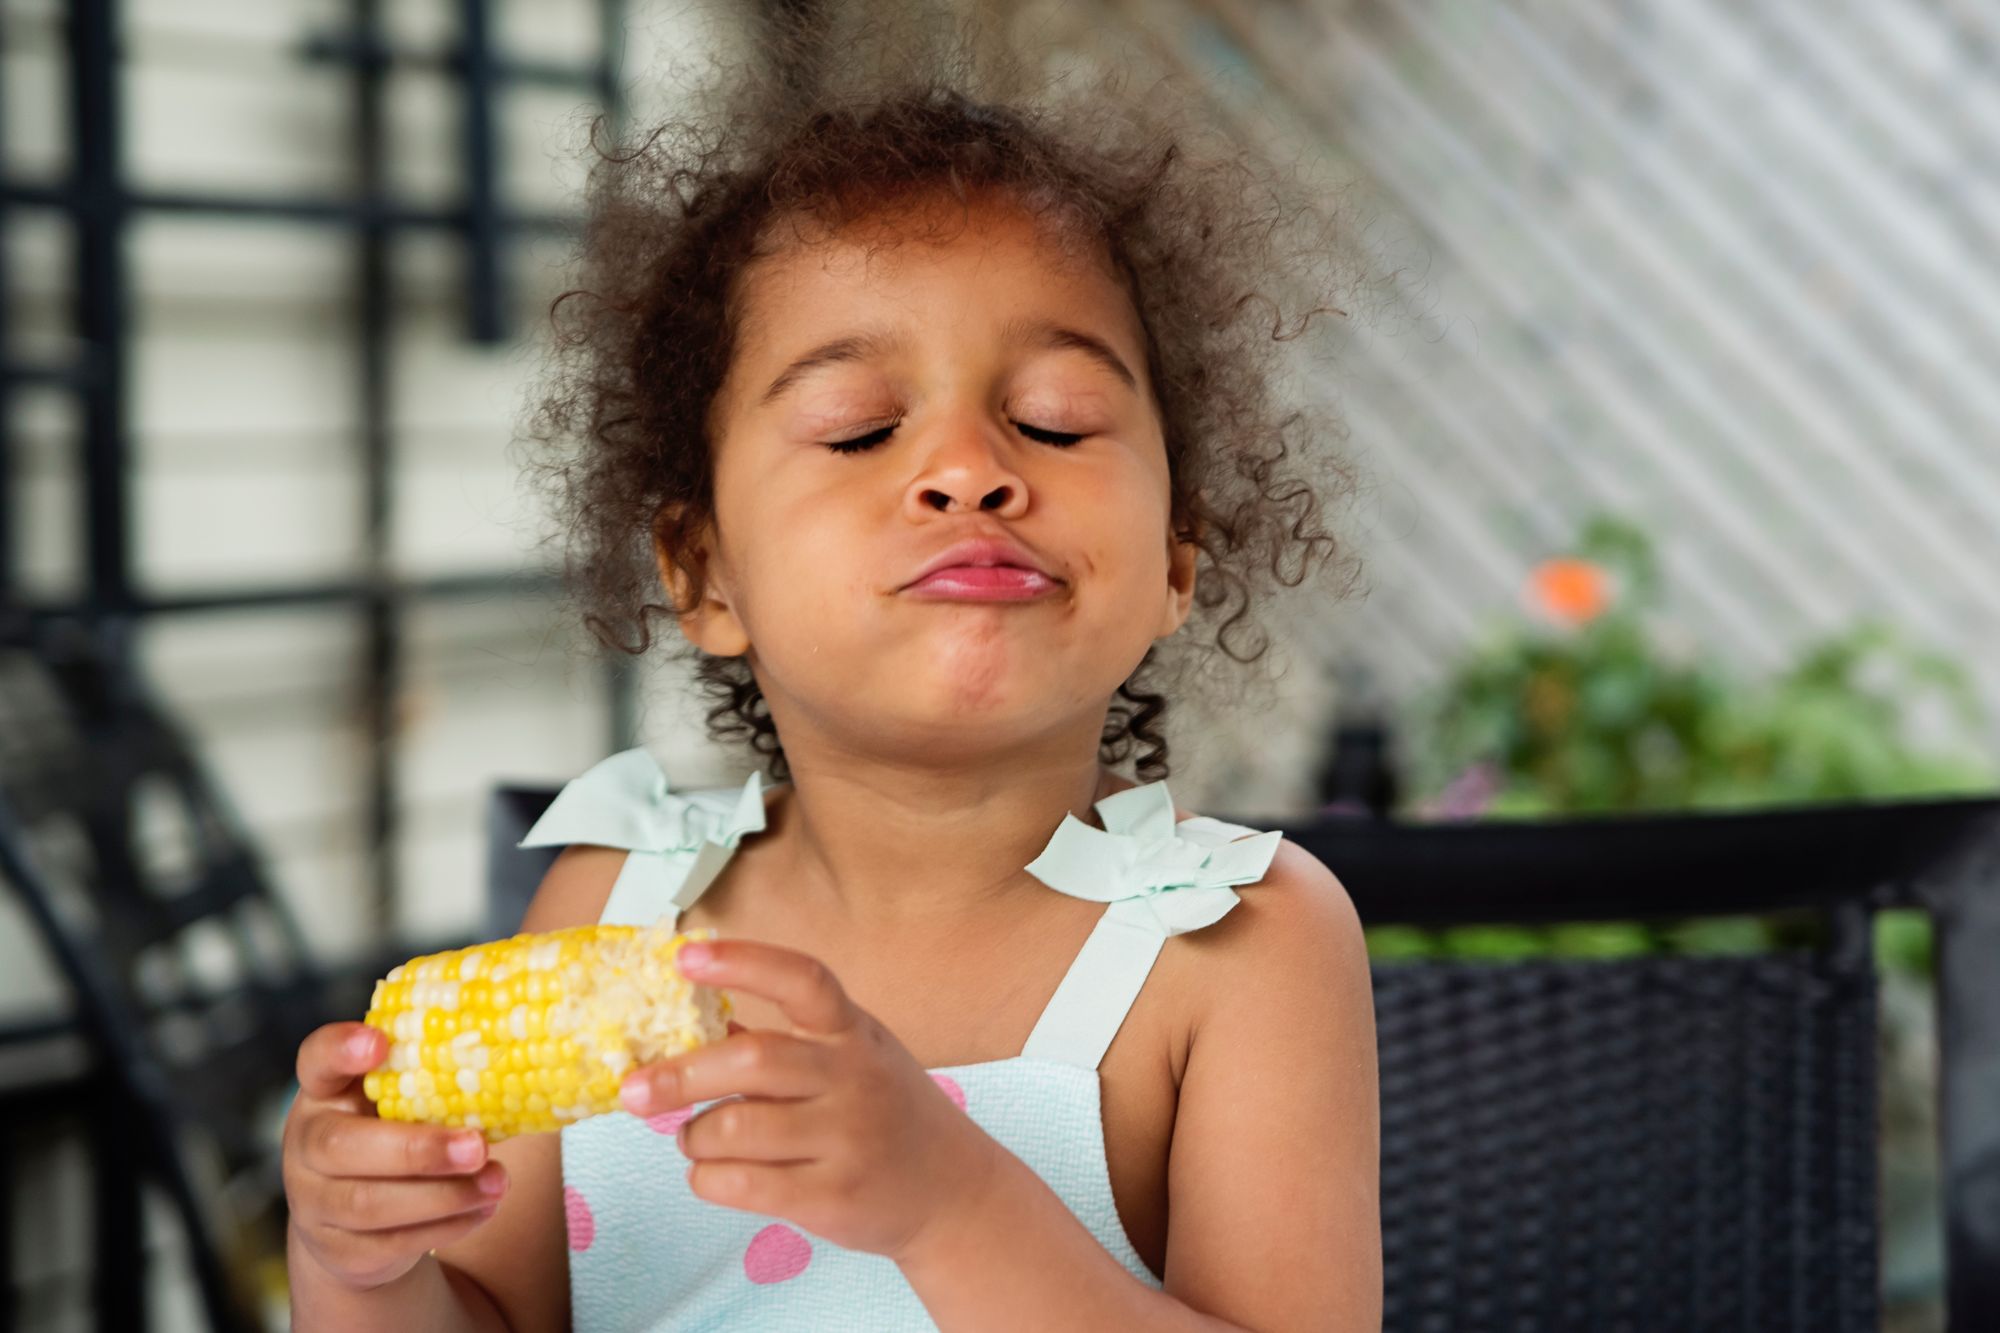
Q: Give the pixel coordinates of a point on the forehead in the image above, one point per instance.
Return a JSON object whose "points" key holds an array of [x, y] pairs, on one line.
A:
{"points": [[810, 275]]}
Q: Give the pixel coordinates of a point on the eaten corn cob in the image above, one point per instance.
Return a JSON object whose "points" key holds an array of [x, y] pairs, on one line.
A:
{"points": [[532, 1033]]}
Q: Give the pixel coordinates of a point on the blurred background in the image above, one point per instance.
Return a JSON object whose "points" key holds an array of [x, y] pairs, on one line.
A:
{"points": [[1675, 403]]}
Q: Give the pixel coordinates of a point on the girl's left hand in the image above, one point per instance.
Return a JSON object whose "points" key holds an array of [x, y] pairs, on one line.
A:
{"points": [[838, 1129]]}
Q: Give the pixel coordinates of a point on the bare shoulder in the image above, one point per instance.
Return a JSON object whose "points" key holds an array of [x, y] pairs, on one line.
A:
{"points": [[519, 1259], [1279, 1100], [1301, 898], [575, 889], [1298, 914], [1294, 938]]}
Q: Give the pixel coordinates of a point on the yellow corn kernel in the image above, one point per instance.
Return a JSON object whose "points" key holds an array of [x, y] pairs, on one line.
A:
{"points": [[533, 1033]]}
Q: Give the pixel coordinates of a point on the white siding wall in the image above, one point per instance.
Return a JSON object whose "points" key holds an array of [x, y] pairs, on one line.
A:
{"points": [[1726, 269]]}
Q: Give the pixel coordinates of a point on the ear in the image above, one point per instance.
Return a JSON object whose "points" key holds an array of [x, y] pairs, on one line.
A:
{"points": [[1181, 555], [710, 623]]}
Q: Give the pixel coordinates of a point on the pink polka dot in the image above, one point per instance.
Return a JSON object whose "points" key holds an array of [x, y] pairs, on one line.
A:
{"points": [[576, 1214], [670, 1122], [776, 1254], [951, 1088]]}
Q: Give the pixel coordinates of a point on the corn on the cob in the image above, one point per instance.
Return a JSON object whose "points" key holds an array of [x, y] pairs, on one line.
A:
{"points": [[532, 1033]]}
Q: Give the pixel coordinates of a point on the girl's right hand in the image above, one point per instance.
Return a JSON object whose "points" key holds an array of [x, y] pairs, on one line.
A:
{"points": [[370, 1197]]}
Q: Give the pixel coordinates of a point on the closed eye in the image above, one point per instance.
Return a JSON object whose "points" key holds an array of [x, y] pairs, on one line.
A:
{"points": [[1056, 437], [860, 443]]}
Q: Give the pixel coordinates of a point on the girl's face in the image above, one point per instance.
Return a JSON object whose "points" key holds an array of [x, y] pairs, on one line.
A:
{"points": [[970, 384]]}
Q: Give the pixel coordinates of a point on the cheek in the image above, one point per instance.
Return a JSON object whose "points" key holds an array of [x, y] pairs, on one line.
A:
{"points": [[803, 572], [1126, 545]]}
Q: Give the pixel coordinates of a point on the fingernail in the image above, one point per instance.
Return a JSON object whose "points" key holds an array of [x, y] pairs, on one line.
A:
{"points": [[465, 1149], [361, 1045], [492, 1183], [695, 955], [636, 1095]]}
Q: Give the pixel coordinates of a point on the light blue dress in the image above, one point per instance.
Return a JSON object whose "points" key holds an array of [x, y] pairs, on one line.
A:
{"points": [[646, 1254]]}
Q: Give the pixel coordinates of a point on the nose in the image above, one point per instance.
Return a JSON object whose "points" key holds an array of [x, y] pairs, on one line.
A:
{"points": [[965, 471]]}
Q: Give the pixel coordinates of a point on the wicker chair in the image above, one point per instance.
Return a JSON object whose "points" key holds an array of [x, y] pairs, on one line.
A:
{"points": [[1660, 1142]]}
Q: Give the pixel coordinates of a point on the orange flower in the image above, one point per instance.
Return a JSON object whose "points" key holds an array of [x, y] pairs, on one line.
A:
{"points": [[1570, 591]]}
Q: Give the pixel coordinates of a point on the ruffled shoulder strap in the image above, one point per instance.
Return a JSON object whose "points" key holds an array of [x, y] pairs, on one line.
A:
{"points": [[1159, 878], [1169, 876], [678, 841]]}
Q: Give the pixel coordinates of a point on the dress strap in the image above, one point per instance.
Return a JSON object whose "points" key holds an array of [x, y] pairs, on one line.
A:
{"points": [[1158, 878], [678, 842]]}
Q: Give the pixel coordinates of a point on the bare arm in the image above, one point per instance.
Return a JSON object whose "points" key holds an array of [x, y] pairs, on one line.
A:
{"points": [[429, 1296], [1274, 1177], [1273, 1171], [509, 1274]]}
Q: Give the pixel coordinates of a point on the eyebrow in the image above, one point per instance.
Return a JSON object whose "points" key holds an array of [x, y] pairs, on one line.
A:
{"points": [[1019, 332], [1060, 337], [852, 347]]}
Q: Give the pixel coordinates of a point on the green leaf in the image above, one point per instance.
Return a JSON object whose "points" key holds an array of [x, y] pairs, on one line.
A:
{"points": [[1600, 939], [1494, 943], [1398, 943], [1729, 935], [1903, 940]]}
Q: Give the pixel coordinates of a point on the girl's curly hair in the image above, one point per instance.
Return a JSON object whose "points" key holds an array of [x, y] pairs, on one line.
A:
{"points": [[1216, 247]]}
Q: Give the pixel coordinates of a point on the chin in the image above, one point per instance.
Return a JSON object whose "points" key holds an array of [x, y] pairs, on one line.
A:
{"points": [[1001, 716]]}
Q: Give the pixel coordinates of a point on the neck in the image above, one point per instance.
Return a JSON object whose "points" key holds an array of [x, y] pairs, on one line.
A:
{"points": [[886, 845]]}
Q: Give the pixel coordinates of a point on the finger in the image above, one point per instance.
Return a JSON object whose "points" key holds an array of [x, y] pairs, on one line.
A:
{"points": [[354, 1145], [361, 1253], [758, 1063], [391, 1205], [334, 1055], [755, 1187], [757, 1130], [803, 987]]}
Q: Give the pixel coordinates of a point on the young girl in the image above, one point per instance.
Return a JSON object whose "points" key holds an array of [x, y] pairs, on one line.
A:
{"points": [[932, 417]]}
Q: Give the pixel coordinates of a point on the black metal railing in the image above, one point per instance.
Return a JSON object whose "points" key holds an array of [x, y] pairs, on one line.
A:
{"points": [[100, 205]]}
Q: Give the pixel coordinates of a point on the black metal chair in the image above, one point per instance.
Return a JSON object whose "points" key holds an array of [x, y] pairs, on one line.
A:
{"points": [[191, 983], [1647, 1143], [513, 873]]}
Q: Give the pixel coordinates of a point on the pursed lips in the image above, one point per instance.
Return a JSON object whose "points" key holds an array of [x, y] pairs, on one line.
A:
{"points": [[983, 571], [985, 583]]}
